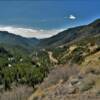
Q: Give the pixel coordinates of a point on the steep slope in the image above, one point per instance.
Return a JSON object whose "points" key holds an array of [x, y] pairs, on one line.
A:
{"points": [[72, 34], [78, 79], [77, 75]]}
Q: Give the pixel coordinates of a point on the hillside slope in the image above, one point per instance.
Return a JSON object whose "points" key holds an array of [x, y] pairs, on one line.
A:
{"points": [[11, 39], [72, 34], [77, 73]]}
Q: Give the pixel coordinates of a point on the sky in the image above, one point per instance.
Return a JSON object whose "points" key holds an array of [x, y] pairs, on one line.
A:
{"points": [[44, 18]]}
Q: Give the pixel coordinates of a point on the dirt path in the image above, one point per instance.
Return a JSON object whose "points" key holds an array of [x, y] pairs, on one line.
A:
{"points": [[52, 58]]}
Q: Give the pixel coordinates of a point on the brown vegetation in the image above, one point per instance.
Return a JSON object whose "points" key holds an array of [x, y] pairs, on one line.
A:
{"points": [[17, 93]]}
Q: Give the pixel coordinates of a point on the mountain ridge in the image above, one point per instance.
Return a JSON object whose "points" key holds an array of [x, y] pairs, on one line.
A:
{"points": [[12, 39], [71, 34]]}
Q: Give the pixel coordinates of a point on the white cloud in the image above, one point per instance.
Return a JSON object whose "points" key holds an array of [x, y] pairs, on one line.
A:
{"points": [[29, 32], [72, 17]]}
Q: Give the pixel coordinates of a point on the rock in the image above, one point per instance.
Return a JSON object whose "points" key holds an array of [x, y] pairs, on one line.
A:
{"points": [[71, 89], [74, 81], [85, 86]]}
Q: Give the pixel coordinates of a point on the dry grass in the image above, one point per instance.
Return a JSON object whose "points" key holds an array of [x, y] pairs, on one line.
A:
{"points": [[92, 60], [18, 93], [58, 74]]}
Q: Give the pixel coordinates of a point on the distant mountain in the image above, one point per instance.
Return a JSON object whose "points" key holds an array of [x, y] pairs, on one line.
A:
{"points": [[10, 39], [72, 34], [63, 38]]}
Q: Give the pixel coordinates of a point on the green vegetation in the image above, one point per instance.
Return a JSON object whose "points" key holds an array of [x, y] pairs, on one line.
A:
{"points": [[23, 68]]}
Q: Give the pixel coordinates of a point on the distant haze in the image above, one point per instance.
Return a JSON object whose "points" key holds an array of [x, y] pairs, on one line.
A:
{"points": [[44, 18], [28, 32]]}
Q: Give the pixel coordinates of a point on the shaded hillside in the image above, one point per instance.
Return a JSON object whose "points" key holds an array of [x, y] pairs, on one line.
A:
{"points": [[18, 65], [72, 34], [7, 38]]}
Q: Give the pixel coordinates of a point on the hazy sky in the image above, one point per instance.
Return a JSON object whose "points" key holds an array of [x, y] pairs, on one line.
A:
{"points": [[47, 14]]}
